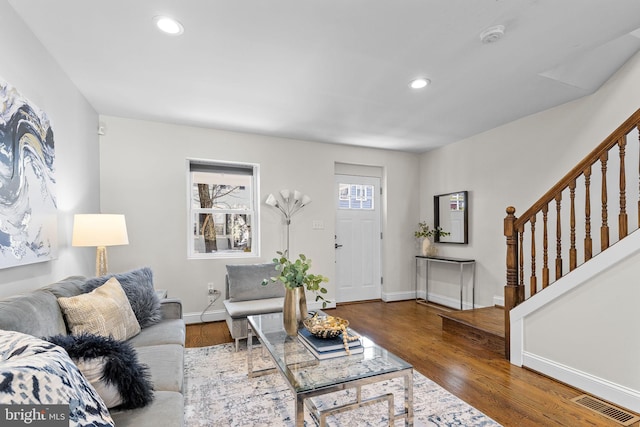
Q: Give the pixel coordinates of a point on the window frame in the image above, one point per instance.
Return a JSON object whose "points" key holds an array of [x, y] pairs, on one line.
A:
{"points": [[255, 212]]}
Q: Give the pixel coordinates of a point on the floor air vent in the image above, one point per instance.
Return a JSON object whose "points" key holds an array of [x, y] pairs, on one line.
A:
{"points": [[603, 408]]}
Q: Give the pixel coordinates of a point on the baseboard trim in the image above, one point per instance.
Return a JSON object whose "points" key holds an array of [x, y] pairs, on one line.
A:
{"points": [[397, 296], [599, 387], [209, 316], [448, 301]]}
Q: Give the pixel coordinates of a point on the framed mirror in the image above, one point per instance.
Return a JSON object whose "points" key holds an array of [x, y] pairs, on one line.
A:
{"points": [[451, 213]]}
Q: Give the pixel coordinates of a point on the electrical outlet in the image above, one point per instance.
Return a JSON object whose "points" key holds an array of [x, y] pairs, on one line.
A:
{"points": [[213, 293]]}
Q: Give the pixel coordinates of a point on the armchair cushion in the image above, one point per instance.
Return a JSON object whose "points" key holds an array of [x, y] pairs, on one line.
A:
{"points": [[245, 282]]}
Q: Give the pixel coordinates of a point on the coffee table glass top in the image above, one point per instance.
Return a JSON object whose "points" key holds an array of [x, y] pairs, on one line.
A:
{"points": [[305, 372]]}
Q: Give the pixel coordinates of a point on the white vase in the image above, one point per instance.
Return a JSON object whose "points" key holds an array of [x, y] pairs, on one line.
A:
{"points": [[428, 248], [426, 244]]}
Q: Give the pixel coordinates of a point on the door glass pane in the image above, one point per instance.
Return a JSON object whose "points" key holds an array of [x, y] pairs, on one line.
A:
{"points": [[355, 196]]}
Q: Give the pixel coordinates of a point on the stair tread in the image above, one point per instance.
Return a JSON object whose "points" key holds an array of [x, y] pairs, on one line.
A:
{"points": [[486, 319]]}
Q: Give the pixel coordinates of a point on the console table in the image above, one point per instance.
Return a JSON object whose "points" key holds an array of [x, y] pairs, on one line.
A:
{"points": [[447, 260]]}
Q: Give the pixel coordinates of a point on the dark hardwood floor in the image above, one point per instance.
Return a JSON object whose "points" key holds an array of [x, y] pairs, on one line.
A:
{"points": [[510, 395]]}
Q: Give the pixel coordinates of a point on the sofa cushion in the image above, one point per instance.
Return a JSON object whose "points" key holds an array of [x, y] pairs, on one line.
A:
{"points": [[111, 367], [37, 372], [166, 365], [245, 282], [36, 313], [104, 311], [248, 308], [167, 409], [68, 287], [168, 331], [138, 286]]}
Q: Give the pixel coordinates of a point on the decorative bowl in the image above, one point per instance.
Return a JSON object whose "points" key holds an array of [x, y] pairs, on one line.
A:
{"points": [[325, 326]]}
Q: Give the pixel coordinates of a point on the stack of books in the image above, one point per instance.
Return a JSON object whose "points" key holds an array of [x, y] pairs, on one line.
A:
{"points": [[327, 348]]}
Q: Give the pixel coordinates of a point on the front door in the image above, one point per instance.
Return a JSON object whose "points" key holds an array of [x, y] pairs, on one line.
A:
{"points": [[358, 238]]}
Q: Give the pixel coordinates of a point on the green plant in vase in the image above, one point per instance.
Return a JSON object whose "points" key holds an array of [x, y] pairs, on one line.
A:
{"points": [[295, 277], [427, 234]]}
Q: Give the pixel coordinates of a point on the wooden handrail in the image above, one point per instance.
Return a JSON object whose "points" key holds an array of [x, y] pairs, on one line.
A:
{"points": [[591, 158], [515, 227]]}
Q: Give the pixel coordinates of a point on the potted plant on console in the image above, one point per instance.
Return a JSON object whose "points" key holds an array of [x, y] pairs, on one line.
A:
{"points": [[427, 233], [295, 276]]}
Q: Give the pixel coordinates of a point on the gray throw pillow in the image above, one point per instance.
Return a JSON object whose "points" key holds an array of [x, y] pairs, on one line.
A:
{"points": [[245, 282], [138, 286]]}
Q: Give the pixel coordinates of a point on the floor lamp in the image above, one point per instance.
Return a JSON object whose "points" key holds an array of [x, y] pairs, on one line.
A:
{"points": [[289, 204], [99, 230]]}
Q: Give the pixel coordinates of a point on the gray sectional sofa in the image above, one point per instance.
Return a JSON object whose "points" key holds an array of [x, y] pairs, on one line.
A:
{"points": [[160, 346]]}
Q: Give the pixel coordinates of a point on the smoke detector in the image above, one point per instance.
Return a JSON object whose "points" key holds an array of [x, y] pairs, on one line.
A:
{"points": [[492, 34]]}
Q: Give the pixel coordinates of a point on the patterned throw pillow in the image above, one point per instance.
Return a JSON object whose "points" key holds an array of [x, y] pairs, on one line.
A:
{"points": [[138, 285], [37, 372], [111, 367], [104, 311]]}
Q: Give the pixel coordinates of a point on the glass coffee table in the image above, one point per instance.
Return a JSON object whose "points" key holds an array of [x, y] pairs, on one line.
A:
{"points": [[309, 377]]}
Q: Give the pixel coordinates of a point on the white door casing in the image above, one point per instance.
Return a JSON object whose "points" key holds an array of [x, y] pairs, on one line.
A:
{"points": [[358, 238]]}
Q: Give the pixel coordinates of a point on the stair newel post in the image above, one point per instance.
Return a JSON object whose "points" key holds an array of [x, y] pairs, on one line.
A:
{"points": [[513, 291]]}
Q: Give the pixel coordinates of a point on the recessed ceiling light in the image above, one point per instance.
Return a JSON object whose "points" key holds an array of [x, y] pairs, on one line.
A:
{"points": [[419, 83], [168, 25]]}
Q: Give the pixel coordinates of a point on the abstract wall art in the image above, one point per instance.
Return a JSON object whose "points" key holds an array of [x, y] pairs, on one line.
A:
{"points": [[28, 210]]}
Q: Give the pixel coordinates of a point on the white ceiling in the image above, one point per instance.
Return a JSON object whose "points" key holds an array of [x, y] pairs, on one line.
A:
{"points": [[337, 70]]}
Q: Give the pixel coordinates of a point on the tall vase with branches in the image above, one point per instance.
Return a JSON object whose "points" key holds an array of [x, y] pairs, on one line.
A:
{"points": [[295, 277]]}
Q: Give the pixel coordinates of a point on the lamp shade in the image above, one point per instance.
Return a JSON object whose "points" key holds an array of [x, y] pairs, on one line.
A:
{"points": [[99, 230], [271, 201]]}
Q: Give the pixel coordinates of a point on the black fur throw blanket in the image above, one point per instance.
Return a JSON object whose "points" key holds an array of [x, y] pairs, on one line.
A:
{"points": [[119, 368]]}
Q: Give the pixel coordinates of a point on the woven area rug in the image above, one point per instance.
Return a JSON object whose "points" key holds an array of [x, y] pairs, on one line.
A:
{"points": [[219, 393]]}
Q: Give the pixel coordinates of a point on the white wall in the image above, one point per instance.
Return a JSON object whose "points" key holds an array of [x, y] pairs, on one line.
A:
{"points": [[514, 165], [27, 66], [143, 175], [582, 329]]}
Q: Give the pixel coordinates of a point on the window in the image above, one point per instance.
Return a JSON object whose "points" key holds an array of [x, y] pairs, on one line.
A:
{"points": [[355, 196], [222, 209]]}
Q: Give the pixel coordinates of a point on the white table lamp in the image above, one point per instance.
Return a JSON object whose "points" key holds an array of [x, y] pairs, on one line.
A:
{"points": [[99, 230]]}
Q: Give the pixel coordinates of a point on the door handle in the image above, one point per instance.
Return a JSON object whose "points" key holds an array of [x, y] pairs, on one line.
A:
{"points": [[338, 246]]}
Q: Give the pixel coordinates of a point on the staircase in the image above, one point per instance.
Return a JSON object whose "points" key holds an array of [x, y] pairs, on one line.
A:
{"points": [[554, 236], [562, 219], [484, 327], [572, 262]]}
